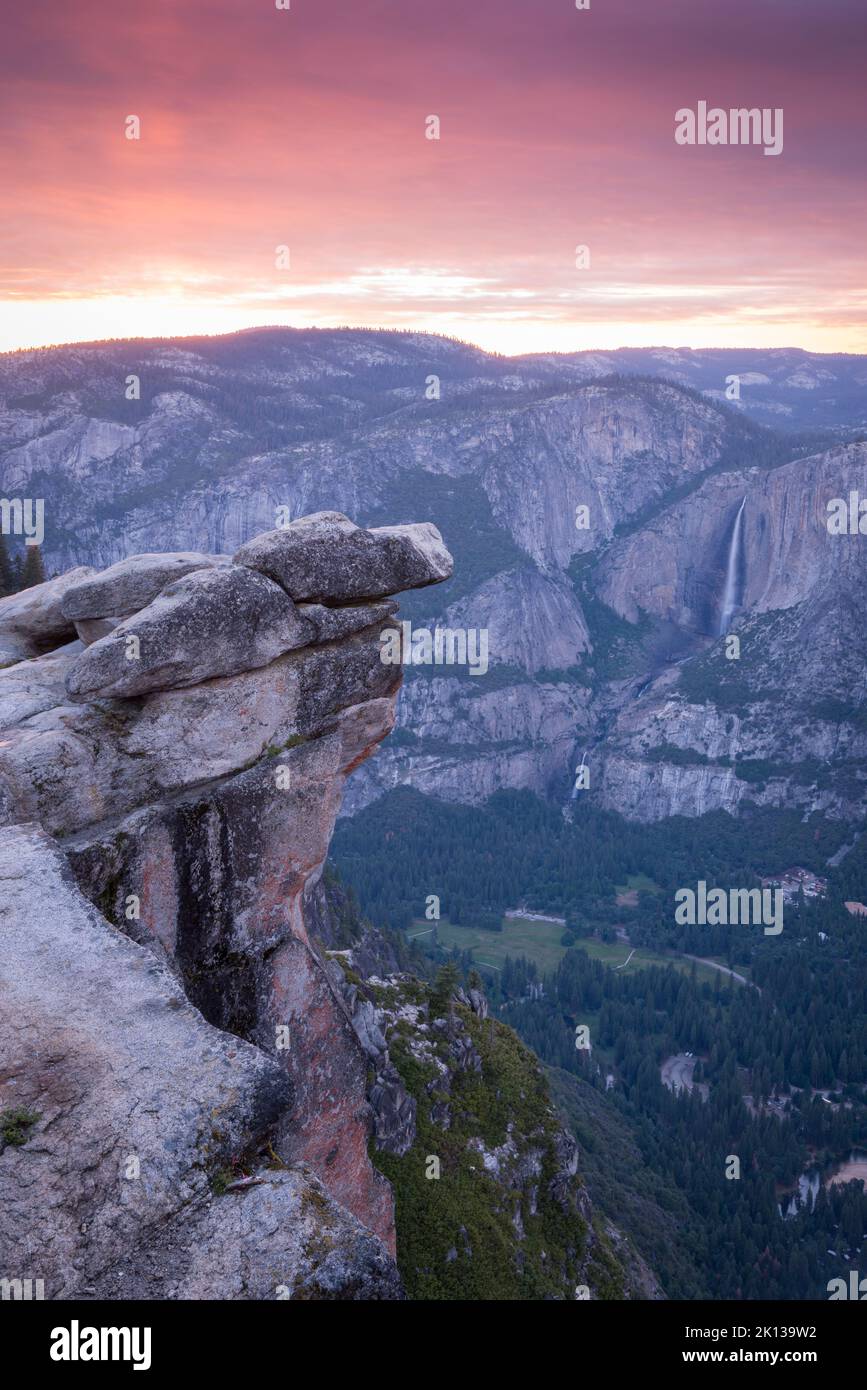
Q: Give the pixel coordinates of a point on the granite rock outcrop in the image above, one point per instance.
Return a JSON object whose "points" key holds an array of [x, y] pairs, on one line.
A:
{"points": [[175, 809]]}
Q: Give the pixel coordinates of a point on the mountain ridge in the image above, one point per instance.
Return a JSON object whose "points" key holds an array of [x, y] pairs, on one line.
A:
{"points": [[229, 431]]}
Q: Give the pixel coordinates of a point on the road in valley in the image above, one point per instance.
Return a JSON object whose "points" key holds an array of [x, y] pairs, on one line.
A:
{"points": [[676, 1072], [715, 965]]}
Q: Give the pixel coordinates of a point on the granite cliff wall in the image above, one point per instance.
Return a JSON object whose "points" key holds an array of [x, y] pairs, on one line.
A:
{"points": [[177, 738]]}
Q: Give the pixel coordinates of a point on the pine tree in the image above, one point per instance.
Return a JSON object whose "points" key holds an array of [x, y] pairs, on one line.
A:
{"points": [[7, 573], [444, 987], [32, 571]]}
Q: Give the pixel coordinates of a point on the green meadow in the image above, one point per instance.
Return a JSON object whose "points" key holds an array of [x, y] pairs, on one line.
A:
{"points": [[540, 942]]}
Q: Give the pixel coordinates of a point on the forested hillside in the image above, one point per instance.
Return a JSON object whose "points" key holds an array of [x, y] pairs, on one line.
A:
{"points": [[779, 1054]]}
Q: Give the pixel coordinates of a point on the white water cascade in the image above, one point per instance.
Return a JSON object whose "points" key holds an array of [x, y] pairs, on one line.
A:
{"points": [[578, 772], [729, 602]]}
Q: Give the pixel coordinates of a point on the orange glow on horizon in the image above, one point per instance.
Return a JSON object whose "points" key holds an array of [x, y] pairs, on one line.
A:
{"points": [[306, 127]]}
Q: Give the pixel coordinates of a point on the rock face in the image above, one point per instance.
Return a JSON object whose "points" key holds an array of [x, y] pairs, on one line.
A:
{"points": [[216, 622], [478, 1156], [325, 558], [139, 1121], [331, 623], [707, 734], [590, 514], [33, 621], [131, 584], [195, 812], [501, 463]]}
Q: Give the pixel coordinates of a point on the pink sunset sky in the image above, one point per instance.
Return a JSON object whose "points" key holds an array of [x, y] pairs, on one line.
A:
{"points": [[306, 127]]}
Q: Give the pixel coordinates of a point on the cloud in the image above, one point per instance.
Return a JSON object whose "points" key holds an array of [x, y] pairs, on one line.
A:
{"points": [[306, 128]]}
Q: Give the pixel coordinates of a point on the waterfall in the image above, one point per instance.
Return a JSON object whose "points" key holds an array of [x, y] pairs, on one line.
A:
{"points": [[578, 772], [729, 603]]}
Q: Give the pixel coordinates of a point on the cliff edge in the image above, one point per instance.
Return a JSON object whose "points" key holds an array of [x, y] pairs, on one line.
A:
{"points": [[182, 1092]]}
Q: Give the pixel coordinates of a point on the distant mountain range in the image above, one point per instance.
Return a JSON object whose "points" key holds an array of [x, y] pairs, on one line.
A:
{"points": [[604, 639]]}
